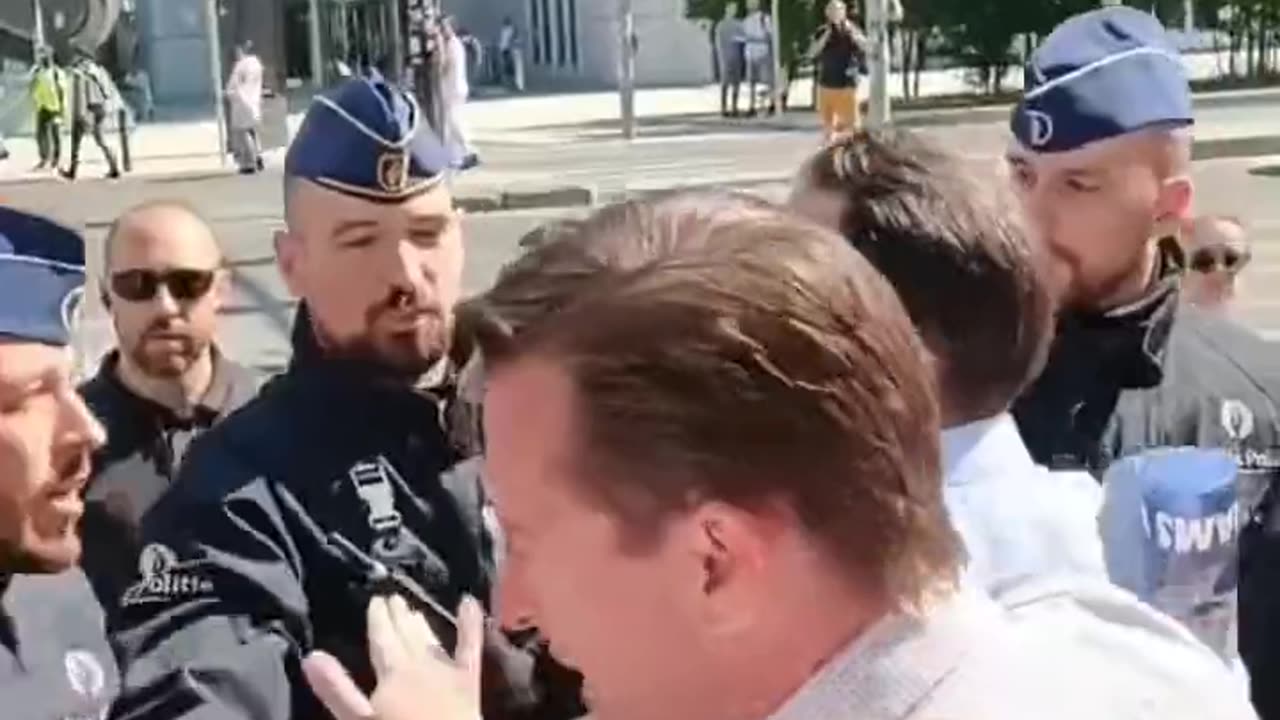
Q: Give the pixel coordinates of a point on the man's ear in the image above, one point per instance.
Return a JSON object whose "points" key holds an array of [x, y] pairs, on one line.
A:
{"points": [[1174, 206], [733, 547], [288, 258]]}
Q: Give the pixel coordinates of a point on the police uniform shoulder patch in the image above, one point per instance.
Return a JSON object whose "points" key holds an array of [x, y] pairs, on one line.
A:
{"points": [[85, 673], [164, 578], [72, 309], [1237, 420]]}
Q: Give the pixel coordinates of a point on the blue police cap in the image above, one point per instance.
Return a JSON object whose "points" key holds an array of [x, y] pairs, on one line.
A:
{"points": [[367, 139], [41, 278], [1099, 75]]}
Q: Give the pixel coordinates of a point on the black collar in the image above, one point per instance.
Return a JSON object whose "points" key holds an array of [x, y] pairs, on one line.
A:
{"points": [[1127, 345], [369, 394], [310, 360], [217, 400]]}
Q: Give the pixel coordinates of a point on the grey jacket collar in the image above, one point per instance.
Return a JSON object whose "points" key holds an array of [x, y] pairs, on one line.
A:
{"points": [[893, 669]]}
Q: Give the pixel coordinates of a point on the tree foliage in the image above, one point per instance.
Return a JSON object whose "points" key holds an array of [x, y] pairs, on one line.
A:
{"points": [[991, 36]]}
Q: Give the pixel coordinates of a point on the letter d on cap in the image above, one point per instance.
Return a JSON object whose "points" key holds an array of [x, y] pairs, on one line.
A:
{"points": [[1039, 128]]}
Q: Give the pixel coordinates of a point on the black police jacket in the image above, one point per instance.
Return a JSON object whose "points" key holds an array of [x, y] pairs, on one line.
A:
{"points": [[1154, 374], [284, 521], [1160, 374], [145, 446], [55, 663]]}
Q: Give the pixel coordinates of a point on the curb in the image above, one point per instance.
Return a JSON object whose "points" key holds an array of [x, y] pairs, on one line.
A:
{"points": [[1211, 149], [999, 112], [1237, 147], [480, 201], [150, 178], [525, 198]]}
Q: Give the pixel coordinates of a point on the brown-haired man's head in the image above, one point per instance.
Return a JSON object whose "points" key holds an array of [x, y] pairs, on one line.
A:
{"points": [[954, 245], [717, 417]]}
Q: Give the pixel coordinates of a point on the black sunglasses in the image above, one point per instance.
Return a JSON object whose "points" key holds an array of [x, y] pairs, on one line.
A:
{"points": [[142, 285], [1207, 260]]}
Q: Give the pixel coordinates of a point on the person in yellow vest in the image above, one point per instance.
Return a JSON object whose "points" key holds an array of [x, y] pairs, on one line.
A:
{"points": [[49, 98]]}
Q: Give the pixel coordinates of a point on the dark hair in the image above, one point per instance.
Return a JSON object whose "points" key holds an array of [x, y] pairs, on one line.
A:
{"points": [[724, 349], [954, 245]]}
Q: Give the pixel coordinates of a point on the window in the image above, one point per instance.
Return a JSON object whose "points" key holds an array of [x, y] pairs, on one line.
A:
{"points": [[545, 12], [535, 21], [561, 44], [572, 26]]}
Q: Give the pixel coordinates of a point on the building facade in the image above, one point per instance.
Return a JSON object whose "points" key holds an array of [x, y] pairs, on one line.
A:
{"points": [[170, 40], [573, 44]]}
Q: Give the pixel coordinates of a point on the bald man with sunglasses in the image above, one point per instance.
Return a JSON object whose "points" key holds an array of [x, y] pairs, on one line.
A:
{"points": [[1217, 248], [164, 384]]}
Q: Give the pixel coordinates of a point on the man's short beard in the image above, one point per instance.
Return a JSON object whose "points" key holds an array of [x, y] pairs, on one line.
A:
{"points": [[172, 364], [408, 356]]}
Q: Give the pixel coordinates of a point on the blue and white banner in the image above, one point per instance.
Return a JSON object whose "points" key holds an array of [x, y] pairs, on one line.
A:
{"points": [[1170, 526]]}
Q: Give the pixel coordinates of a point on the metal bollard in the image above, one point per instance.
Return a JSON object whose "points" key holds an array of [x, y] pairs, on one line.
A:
{"points": [[122, 122]]}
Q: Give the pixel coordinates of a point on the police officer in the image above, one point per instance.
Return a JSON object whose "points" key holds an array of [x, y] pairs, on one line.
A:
{"points": [[340, 482], [166, 382], [1175, 408], [54, 659]]}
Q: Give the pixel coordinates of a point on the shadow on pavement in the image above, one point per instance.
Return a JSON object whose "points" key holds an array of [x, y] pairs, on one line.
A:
{"points": [[680, 125], [1266, 171]]}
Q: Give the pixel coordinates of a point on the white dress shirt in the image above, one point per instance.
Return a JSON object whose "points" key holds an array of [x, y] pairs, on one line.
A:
{"points": [[1017, 518]]}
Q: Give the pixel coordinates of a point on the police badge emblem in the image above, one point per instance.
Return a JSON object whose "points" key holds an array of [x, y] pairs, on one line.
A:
{"points": [[88, 680], [72, 309], [393, 171]]}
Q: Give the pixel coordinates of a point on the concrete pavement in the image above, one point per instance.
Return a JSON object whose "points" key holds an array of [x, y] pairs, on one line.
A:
{"points": [[588, 162], [256, 323], [558, 150]]}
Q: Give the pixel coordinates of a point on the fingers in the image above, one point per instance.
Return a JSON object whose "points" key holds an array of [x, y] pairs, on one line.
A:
{"points": [[334, 687], [416, 635], [386, 648], [400, 639], [469, 653]]}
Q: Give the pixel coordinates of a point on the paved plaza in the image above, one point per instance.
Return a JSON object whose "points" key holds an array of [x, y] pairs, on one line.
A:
{"points": [[677, 150]]}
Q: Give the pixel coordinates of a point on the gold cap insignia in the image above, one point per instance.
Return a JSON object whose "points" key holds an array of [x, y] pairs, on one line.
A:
{"points": [[393, 171]]}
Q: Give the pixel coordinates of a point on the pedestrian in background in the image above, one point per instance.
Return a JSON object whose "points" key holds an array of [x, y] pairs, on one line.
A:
{"points": [[93, 97], [138, 85], [455, 90], [244, 95], [1217, 248], [730, 48], [508, 47], [757, 33], [49, 98], [840, 51]]}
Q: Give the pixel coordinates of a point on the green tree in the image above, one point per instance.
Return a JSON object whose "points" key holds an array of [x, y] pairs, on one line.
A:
{"points": [[981, 34]]}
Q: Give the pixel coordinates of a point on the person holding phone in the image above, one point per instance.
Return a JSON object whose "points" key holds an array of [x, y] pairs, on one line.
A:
{"points": [[839, 51]]}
